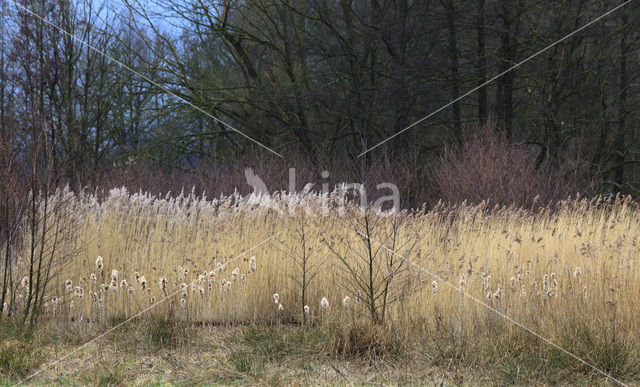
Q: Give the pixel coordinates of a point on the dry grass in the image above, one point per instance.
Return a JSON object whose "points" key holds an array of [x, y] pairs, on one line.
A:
{"points": [[569, 273], [283, 354], [240, 355]]}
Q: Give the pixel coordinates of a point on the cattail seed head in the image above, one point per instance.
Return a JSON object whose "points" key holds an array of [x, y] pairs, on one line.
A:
{"points": [[486, 279], [276, 298], [123, 284], [324, 303], [114, 275], [163, 285], [498, 292], [242, 279], [549, 284], [201, 291], [489, 295], [252, 264], [113, 286], [306, 309], [24, 283], [235, 274], [143, 282], [99, 264], [280, 308], [93, 278], [345, 301], [577, 273], [434, 286], [68, 285], [463, 282], [130, 289]]}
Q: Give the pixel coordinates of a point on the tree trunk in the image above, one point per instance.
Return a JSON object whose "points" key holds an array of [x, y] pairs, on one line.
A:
{"points": [[481, 63], [453, 63], [619, 146], [508, 48]]}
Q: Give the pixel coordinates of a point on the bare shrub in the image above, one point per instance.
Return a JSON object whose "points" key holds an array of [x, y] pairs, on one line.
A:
{"points": [[221, 177], [35, 224], [12, 207], [485, 166], [371, 269]]}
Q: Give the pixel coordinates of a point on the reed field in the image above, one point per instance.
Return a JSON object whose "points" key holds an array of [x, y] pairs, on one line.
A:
{"points": [[441, 284]]}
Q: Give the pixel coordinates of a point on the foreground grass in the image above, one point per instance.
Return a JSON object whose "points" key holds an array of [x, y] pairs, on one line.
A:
{"points": [[155, 351]]}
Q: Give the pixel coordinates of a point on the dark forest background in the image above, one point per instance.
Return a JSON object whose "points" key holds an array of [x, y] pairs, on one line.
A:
{"points": [[321, 81]]}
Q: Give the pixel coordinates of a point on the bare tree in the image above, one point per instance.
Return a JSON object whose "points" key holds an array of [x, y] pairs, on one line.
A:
{"points": [[374, 269], [307, 264]]}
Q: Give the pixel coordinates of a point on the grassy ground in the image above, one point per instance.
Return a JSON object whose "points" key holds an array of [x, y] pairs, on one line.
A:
{"points": [[157, 352]]}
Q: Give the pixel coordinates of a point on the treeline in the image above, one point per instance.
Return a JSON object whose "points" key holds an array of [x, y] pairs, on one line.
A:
{"points": [[320, 82]]}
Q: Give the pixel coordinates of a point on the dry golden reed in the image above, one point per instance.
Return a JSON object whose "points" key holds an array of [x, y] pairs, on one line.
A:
{"points": [[546, 269]]}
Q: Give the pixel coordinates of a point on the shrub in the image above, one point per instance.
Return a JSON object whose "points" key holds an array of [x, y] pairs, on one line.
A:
{"points": [[486, 166], [366, 340]]}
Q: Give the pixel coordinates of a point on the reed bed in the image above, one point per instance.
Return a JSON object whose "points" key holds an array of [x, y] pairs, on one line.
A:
{"points": [[562, 271]]}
